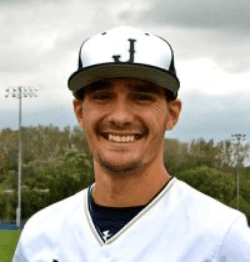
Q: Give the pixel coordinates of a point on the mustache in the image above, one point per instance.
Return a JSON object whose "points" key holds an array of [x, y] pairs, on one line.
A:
{"points": [[123, 128]]}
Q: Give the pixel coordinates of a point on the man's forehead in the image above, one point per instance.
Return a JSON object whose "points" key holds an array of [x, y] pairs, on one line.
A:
{"points": [[132, 84]]}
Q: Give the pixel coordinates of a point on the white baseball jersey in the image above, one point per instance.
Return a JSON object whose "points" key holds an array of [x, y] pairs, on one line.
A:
{"points": [[179, 225]]}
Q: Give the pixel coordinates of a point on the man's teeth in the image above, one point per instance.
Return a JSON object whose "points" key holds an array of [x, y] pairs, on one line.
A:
{"points": [[121, 139]]}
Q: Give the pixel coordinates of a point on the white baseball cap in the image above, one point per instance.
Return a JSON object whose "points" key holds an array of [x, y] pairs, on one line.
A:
{"points": [[125, 52]]}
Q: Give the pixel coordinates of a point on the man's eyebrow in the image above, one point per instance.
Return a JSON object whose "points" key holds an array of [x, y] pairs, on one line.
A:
{"points": [[146, 88], [97, 86]]}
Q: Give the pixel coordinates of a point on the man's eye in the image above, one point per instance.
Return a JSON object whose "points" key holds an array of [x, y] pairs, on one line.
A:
{"points": [[101, 96], [143, 97]]}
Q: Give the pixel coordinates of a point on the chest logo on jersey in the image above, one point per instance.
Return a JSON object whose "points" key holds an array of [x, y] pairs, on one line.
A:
{"points": [[131, 51], [106, 235]]}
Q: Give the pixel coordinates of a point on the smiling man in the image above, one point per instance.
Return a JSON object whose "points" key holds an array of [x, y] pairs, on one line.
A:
{"points": [[126, 98], [125, 120]]}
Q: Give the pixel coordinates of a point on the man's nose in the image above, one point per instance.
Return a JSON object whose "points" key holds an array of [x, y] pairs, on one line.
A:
{"points": [[121, 113]]}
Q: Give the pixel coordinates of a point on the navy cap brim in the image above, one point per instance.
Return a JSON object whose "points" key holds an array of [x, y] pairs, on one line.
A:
{"points": [[88, 75]]}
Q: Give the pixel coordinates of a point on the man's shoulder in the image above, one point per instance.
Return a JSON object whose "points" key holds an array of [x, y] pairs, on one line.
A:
{"points": [[44, 229], [54, 215], [203, 209], [215, 223]]}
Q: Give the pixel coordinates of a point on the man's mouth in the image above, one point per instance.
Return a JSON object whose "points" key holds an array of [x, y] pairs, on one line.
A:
{"points": [[121, 138]]}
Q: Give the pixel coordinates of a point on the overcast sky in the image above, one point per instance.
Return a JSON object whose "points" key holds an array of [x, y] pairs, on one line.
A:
{"points": [[40, 39]]}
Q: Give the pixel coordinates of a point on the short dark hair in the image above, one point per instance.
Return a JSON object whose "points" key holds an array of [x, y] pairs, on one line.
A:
{"points": [[80, 94]]}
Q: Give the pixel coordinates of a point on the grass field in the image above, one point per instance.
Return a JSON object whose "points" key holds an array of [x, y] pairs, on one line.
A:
{"points": [[8, 243]]}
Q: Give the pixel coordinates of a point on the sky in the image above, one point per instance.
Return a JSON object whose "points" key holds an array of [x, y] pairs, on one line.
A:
{"points": [[40, 40]]}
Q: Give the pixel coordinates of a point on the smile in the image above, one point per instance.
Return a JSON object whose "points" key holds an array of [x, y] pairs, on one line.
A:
{"points": [[121, 138]]}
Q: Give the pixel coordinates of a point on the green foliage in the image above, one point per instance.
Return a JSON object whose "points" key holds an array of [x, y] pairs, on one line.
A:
{"points": [[57, 164], [69, 175], [244, 179], [244, 206], [210, 181], [219, 185], [62, 178]]}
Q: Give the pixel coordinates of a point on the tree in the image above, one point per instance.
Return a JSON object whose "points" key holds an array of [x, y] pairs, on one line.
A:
{"points": [[232, 153], [244, 207], [211, 182], [60, 161], [63, 177], [175, 154]]}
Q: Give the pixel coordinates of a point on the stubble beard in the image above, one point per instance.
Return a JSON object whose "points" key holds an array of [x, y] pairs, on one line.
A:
{"points": [[127, 169]]}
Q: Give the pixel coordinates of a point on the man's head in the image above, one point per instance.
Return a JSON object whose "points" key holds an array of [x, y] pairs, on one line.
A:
{"points": [[121, 105]]}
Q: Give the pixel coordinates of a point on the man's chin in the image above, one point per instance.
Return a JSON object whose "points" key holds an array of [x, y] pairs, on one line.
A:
{"points": [[120, 168]]}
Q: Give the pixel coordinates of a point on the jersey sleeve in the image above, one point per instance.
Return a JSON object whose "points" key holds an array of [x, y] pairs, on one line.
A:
{"points": [[236, 243], [18, 256]]}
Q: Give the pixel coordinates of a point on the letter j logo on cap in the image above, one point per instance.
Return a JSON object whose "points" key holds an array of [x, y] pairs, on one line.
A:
{"points": [[131, 51]]}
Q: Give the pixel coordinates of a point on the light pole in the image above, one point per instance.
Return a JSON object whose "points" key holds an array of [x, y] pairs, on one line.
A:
{"points": [[8, 191], [20, 92], [239, 137]]}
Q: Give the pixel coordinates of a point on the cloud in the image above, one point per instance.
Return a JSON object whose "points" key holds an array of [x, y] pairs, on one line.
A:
{"points": [[214, 117], [207, 76], [37, 34], [41, 37], [40, 40], [200, 28], [27, 2], [214, 14]]}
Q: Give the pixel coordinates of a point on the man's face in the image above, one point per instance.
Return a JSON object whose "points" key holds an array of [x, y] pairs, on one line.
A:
{"points": [[125, 120]]}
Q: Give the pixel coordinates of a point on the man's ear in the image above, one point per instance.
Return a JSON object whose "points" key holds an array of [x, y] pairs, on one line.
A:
{"points": [[174, 109], [78, 109]]}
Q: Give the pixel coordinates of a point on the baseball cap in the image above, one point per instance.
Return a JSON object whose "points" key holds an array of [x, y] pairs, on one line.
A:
{"points": [[125, 52]]}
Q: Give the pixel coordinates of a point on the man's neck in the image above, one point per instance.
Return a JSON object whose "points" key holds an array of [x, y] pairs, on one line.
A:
{"points": [[128, 190]]}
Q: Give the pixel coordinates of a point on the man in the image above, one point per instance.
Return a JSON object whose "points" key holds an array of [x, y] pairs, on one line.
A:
{"points": [[125, 99]]}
